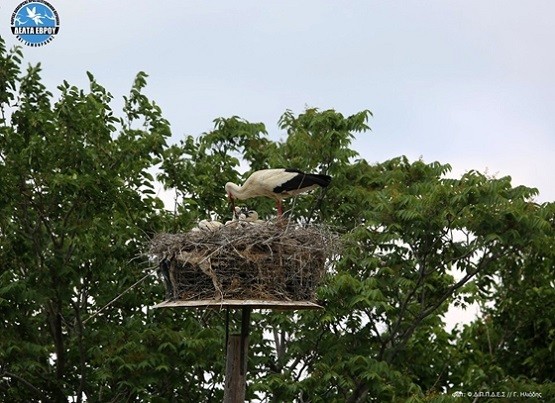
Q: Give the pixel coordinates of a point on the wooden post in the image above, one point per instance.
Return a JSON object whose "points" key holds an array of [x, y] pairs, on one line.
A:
{"points": [[236, 362], [238, 344]]}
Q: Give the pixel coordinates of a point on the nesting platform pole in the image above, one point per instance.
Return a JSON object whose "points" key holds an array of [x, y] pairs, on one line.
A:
{"points": [[236, 362], [238, 344]]}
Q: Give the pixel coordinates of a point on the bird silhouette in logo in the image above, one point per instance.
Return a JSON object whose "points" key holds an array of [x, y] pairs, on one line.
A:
{"points": [[36, 17]]}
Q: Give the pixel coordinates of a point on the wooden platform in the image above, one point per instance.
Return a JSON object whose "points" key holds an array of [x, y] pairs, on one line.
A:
{"points": [[240, 303]]}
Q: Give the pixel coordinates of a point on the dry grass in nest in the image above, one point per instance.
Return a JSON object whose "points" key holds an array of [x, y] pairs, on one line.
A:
{"points": [[265, 261]]}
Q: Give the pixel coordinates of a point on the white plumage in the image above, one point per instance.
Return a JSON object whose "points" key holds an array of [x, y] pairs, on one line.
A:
{"points": [[276, 184], [244, 214], [206, 225]]}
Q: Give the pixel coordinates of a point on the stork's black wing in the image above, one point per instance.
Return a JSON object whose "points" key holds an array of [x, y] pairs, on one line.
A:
{"points": [[302, 180]]}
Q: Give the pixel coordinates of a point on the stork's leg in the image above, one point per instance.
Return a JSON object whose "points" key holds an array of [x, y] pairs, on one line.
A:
{"points": [[279, 208]]}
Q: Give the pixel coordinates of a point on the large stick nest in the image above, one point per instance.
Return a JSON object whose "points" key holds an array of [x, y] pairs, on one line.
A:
{"points": [[266, 261]]}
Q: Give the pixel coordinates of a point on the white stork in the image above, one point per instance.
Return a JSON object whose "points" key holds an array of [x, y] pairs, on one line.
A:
{"points": [[276, 184]]}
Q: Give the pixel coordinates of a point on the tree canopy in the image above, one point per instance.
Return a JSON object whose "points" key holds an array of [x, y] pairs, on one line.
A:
{"points": [[78, 207]]}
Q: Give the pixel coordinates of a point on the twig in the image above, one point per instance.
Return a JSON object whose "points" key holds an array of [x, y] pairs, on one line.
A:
{"points": [[119, 296], [317, 204], [298, 255]]}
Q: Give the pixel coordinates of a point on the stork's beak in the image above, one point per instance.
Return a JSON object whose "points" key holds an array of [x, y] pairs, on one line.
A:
{"points": [[231, 201]]}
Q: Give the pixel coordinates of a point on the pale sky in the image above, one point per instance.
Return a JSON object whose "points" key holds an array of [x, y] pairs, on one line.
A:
{"points": [[470, 83]]}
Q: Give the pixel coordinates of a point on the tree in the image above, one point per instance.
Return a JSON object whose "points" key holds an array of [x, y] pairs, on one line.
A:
{"points": [[422, 241], [76, 209], [510, 349], [198, 168]]}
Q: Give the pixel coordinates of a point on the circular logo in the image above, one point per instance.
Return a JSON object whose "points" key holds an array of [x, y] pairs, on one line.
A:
{"points": [[35, 22]]}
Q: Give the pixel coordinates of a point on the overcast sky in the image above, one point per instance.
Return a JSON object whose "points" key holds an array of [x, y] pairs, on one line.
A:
{"points": [[470, 83]]}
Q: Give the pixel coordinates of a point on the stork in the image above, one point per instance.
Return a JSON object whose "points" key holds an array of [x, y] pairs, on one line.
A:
{"points": [[244, 214], [276, 184]]}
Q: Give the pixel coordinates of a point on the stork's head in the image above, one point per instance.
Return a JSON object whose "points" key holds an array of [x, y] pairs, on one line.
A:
{"points": [[250, 215], [229, 190]]}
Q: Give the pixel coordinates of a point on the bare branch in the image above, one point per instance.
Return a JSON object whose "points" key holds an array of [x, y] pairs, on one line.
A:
{"points": [[28, 384]]}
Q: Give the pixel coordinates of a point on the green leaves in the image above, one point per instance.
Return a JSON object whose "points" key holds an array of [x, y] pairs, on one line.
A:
{"points": [[72, 219], [327, 134], [9, 71]]}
